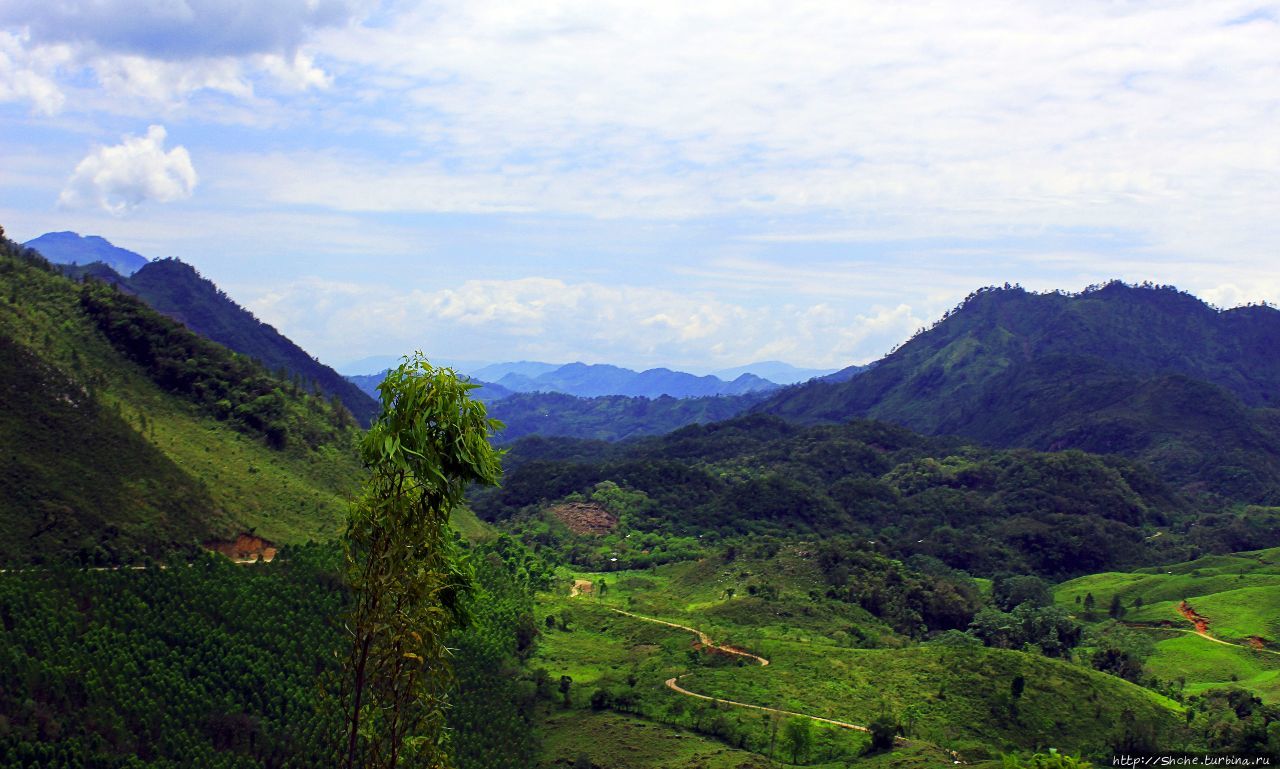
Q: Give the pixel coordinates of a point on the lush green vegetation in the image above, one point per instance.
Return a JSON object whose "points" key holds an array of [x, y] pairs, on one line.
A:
{"points": [[889, 577], [219, 665], [1236, 597], [972, 508], [124, 454], [177, 290], [78, 479], [227, 386], [1147, 372], [948, 694]]}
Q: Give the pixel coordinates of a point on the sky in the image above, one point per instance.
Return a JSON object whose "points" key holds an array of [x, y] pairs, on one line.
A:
{"points": [[693, 185]]}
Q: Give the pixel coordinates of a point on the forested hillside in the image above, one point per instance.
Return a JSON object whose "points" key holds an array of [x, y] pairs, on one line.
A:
{"points": [[223, 666], [127, 433], [974, 508], [178, 290], [1147, 372]]}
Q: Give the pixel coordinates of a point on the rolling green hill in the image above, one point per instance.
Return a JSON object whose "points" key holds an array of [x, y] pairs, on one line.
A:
{"points": [[128, 433], [1236, 595], [1147, 372], [945, 696]]}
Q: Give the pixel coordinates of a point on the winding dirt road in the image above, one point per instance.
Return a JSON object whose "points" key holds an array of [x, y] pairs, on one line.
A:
{"points": [[704, 639]]}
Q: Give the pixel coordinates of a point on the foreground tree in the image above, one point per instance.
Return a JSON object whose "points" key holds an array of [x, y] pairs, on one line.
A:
{"points": [[408, 582]]}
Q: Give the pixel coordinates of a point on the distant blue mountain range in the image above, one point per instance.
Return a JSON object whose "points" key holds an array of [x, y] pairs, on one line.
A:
{"points": [[595, 380], [71, 248]]}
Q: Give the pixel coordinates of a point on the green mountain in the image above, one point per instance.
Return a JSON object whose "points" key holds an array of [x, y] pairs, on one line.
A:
{"points": [[125, 433], [178, 290], [1147, 372]]}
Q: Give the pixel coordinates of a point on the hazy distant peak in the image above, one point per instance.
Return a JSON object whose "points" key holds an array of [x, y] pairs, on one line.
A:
{"points": [[775, 371], [72, 248]]}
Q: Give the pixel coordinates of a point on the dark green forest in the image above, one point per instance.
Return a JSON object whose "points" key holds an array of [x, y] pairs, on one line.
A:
{"points": [[982, 510], [178, 291], [216, 665]]}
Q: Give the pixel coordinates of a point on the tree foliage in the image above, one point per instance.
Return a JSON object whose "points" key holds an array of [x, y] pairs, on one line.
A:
{"points": [[429, 442]]}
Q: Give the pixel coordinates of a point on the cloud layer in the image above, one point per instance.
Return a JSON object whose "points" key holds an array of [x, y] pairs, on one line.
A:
{"points": [[551, 319], [121, 177], [755, 178]]}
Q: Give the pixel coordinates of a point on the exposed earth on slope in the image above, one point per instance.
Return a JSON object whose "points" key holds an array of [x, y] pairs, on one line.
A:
{"points": [[586, 518], [245, 547]]}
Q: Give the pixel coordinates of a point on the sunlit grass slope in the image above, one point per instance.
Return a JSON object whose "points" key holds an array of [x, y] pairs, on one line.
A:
{"points": [[1238, 593], [230, 480], [954, 697]]}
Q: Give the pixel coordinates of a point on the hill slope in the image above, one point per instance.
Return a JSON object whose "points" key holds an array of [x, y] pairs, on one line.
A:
{"points": [[179, 291], [1146, 372], [128, 433]]}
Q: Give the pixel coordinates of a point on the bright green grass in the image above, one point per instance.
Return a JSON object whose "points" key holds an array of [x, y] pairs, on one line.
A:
{"points": [[715, 595], [621, 741], [957, 697], [1232, 614], [1238, 593], [606, 650], [287, 496], [1173, 583], [953, 697], [626, 742], [1205, 664], [465, 522]]}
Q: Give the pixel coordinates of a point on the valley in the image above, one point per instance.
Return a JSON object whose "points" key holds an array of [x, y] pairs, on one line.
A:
{"points": [[781, 577]]}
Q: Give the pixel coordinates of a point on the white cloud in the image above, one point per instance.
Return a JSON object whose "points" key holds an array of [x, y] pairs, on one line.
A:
{"points": [[121, 177], [943, 120], [551, 319], [31, 76]]}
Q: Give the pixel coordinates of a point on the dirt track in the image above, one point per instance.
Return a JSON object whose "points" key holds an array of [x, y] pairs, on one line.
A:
{"points": [[674, 683]]}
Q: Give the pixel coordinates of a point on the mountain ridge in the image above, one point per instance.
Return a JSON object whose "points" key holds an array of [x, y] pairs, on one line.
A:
{"points": [[72, 248], [178, 290], [1137, 370]]}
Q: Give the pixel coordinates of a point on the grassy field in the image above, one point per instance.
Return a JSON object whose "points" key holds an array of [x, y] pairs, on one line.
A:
{"points": [[620, 741], [946, 697], [1206, 665], [1236, 614], [957, 697], [718, 596], [1190, 580], [1239, 594], [287, 496]]}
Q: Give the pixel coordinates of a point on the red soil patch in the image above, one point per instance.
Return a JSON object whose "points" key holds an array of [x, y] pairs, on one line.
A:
{"points": [[1257, 642], [1201, 622], [585, 518], [245, 547]]}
